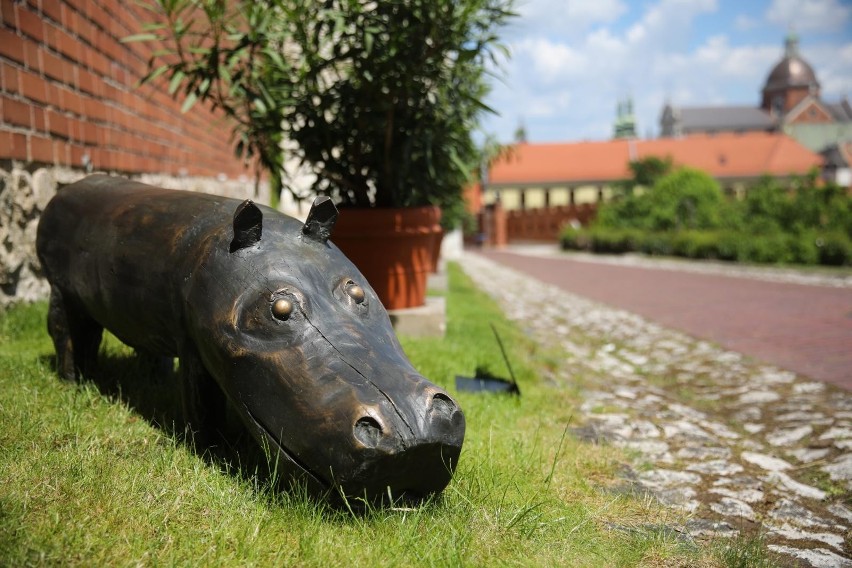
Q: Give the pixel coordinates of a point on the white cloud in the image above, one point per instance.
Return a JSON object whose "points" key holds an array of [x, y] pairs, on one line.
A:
{"points": [[833, 66], [568, 18], [550, 61], [580, 79], [567, 87], [668, 23], [809, 15], [716, 56]]}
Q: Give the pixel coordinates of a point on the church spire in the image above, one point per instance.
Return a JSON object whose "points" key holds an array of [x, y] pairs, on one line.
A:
{"points": [[791, 45], [625, 122]]}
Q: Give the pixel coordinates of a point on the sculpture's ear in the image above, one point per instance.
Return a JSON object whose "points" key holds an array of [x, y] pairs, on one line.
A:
{"points": [[248, 225], [321, 219]]}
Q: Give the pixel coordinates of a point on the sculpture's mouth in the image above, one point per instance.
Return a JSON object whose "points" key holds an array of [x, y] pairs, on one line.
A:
{"points": [[284, 451]]}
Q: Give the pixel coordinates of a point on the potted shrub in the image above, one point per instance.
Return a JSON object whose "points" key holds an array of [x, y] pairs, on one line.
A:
{"points": [[379, 99]]}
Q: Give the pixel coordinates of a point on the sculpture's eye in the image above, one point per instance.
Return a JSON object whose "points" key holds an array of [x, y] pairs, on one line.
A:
{"points": [[355, 292], [281, 309], [352, 296]]}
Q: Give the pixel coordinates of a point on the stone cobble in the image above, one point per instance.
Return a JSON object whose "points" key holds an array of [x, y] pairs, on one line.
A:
{"points": [[740, 446]]}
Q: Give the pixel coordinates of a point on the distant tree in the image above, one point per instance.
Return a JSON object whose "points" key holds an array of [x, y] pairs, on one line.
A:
{"points": [[767, 206], [684, 199], [644, 172], [647, 171]]}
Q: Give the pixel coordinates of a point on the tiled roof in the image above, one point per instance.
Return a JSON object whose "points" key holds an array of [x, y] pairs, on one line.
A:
{"points": [[723, 155], [724, 118]]}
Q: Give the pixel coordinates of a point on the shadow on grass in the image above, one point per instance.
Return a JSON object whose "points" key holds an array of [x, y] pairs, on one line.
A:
{"points": [[150, 387]]}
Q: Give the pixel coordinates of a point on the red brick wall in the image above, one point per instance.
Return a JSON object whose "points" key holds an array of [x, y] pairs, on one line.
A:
{"points": [[68, 89]]}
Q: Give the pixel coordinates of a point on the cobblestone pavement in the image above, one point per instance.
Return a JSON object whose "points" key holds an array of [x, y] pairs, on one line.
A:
{"points": [[803, 328], [741, 446]]}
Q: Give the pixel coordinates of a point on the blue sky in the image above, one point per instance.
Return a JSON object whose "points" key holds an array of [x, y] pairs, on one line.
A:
{"points": [[572, 60]]}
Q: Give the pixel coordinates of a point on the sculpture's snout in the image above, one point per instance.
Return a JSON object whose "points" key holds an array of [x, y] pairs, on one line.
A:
{"points": [[368, 432], [442, 422], [409, 448], [446, 419]]}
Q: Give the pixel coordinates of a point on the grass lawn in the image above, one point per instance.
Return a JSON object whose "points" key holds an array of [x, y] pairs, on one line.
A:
{"points": [[86, 479]]}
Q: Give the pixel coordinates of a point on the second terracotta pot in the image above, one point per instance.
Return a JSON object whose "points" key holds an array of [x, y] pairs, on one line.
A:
{"points": [[393, 248]]}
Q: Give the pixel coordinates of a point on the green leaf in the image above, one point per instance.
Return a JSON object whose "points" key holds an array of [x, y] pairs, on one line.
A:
{"points": [[275, 57], [189, 102], [175, 82], [463, 167], [139, 37], [154, 74]]}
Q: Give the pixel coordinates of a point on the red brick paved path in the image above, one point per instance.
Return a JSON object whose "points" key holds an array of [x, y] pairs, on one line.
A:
{"points": [[806, 329]]}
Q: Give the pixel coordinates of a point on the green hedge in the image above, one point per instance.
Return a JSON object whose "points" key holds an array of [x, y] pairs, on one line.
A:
{"points": [[684, 213], [808, 247]]}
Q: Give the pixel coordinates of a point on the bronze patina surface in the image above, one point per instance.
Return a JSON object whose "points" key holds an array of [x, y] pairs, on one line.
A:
{"points": [[265, 314]]}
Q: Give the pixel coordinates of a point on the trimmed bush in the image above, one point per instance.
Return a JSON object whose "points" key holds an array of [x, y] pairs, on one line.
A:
{"points": [[835, 249], [685, 214], [613, 241], [730, 244], [696, 244], [771, 248], [657, 244], [803, 248]]}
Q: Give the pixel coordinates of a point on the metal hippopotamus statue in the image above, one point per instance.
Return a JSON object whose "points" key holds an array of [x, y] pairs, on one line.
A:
{"points": [[261, 308]]}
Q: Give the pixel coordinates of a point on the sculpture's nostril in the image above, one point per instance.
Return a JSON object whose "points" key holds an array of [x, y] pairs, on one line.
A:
{"points": [[443, 406], [368, 431]]}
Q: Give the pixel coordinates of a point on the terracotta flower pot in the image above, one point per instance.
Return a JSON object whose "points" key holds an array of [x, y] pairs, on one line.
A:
{"points": [[392, 248]]}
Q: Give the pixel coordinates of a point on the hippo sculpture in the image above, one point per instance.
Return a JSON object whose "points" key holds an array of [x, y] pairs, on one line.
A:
{"points": [[265, 315]]}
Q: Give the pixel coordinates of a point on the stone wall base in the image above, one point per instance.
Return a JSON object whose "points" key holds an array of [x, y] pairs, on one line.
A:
{"points": [[25, 192]]}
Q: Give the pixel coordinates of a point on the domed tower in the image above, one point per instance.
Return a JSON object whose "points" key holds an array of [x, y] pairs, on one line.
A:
{"points": [[790, 81]]}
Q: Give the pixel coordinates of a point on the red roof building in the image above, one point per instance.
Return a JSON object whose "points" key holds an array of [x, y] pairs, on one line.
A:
{"points": [[544, 175]]}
